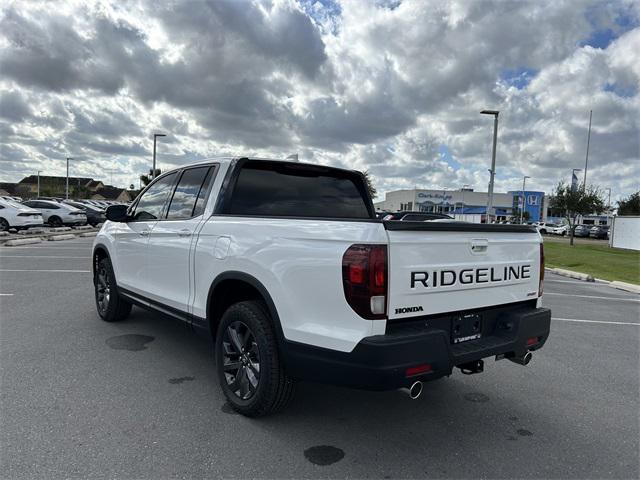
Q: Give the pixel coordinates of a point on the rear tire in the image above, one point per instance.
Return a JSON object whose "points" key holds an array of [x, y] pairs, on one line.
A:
{"points": [[55, 221], [110, 305], [248, 363]]}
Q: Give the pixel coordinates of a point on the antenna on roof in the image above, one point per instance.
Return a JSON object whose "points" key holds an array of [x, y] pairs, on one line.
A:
{"points": [[293, 157]]}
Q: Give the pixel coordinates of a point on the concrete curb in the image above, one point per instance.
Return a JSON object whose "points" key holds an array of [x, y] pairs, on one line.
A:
{"points": [[21, 241], [43, 235], [60, 229], [66, 236], [627, 287], [88, 234], [571, 274], [84, 227]]}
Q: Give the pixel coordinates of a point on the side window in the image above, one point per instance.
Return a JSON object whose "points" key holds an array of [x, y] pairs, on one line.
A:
{"points": [[202, 196], [151, 203], [187, 193]]}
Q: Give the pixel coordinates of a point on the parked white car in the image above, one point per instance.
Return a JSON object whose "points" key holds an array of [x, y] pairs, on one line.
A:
{"points": [[13, 199], [58, 214], [544, 227], [16, 215], [560, 230]]}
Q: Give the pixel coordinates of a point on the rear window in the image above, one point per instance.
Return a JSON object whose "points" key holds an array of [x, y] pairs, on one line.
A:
{"points": [[281, 189]]}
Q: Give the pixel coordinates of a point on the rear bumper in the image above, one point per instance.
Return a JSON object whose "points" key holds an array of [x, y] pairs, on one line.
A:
{"points": [[380, 362], [27, 222]]}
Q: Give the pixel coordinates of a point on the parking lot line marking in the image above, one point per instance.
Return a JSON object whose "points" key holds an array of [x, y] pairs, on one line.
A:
{"points": [[53, 271], [624, 299], [593, 321], [6, 294]]}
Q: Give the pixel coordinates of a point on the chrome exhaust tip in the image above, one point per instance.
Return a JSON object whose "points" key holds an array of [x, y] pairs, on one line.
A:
{"points": [[414, 391], [523, 360]]}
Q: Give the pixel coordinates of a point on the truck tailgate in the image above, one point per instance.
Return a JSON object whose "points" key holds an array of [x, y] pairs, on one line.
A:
{"points": [[445, 267]]}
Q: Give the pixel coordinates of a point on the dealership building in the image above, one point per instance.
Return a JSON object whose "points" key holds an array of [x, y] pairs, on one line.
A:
{"points": [[464, 204]]}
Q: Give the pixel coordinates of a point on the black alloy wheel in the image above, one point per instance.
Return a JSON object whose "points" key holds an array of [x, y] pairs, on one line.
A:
{"points": [[103, 289], [241, 360], [248, 362], [110, 305]]}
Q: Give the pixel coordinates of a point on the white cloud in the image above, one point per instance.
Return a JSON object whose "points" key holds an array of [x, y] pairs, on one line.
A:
{"points": [[381, 87]]}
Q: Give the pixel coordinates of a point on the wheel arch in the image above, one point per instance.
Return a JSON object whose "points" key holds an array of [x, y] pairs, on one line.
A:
{"points": [[232, 287]]}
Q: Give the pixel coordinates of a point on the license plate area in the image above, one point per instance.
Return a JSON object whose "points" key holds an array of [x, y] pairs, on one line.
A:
{"points": [[466, 327]]}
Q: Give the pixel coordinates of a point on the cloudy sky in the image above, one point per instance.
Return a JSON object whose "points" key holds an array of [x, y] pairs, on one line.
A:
{"points": [[394, 87]]}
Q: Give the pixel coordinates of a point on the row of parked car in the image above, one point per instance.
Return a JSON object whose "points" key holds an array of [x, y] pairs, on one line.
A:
{"points": [[52, 211], [592, 231]]}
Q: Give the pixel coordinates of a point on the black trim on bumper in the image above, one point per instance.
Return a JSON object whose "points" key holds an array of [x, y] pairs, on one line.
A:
{"points": [[380, 362]]}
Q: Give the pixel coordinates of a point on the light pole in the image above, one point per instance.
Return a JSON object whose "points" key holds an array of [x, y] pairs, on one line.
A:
{"points": [[39, 182], [495, 114], [110, 170], [573, 174], [524, 180], [153, 170], [586, 160], [67, 188], [608, 205]]}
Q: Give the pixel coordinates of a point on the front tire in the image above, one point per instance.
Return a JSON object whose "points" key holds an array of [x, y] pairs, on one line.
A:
{"points": [[248, 363], [4, 225], [111, 306]]}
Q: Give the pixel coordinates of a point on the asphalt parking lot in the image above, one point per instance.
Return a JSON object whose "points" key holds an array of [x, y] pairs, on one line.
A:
{"points": [[80, 399]]}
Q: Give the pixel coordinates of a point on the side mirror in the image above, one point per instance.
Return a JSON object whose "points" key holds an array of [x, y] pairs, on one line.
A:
{"points": [[117, 213]]}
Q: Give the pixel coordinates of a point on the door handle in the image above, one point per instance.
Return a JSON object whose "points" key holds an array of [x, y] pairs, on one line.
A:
{"points": [[184, 233], [479, 246], [145, 233]]}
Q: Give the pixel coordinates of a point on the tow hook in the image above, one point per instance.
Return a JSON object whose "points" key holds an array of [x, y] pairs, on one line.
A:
{"points": [[520, 359], [472, 367], [414, 391]]}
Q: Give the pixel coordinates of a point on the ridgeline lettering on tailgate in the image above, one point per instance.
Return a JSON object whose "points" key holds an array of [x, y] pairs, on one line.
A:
{"points": [[468, 276]]}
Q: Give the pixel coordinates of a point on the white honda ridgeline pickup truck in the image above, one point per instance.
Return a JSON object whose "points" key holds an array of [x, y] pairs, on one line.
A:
{"points": [[285, 265]]}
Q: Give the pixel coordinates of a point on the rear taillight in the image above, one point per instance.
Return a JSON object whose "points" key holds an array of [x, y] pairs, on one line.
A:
{"points": [[364, 277], [541, 283]]}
